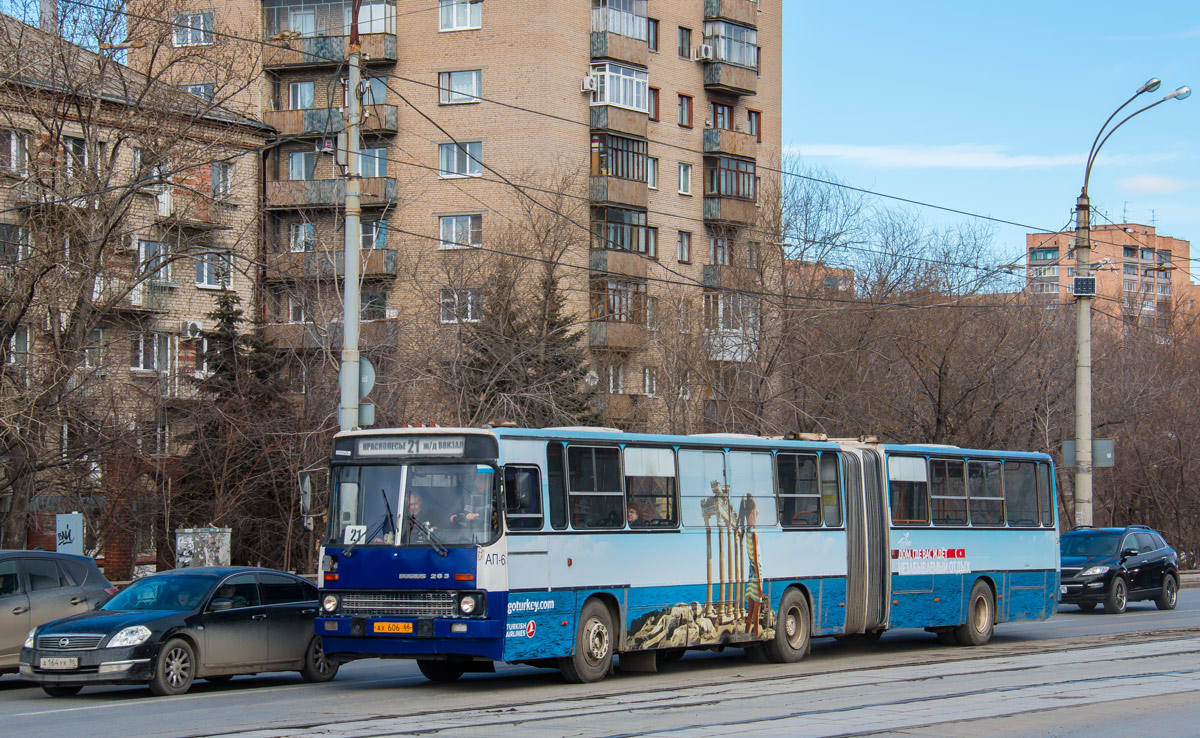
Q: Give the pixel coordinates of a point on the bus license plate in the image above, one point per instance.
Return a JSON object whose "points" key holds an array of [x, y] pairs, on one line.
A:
{"points": [[60, 663], [393, 627]]}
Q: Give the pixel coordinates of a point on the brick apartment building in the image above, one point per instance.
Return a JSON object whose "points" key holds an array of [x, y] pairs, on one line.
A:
{"points": [[1142, 278], [647, 132], [125, 206]]}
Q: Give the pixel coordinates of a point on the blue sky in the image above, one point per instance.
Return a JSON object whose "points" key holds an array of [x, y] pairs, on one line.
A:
{"points": [[991, 107]]}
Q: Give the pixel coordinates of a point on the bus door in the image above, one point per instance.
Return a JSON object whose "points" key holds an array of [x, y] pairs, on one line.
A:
{"points": [[867, 553]]}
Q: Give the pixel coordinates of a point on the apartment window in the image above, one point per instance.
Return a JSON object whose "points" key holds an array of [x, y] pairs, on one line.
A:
{"points": [[301, 237], [301, 96], [154, 259], [652, 172], [754, 259], [144, 170], [14, 242], [74, 155], [729, 311], [295, 310], [754, 124], [683, 247], [373, 233], [194, 29], [1130, 269], [461, 306], [622, 229], [150, 352], [459, 15], [301, 165], [685, 42], [1043, 254], [374, 91], [461, 159], [622, 17], [618, 156], [728, 177], [18, 346], [718, 251], [649, 380], [732, 43], [200, 347], [1147, 254], [720, 115], [13, 150], [683, 114], [460, 87], [461, 231], [651, 313], [653, 93], [652, 34], [93, 352], [616, 379], [374, 162], [625, 87], [214, 269], [373, 305], [685, 178], [1130, 252], [619, 301], [222, 179], [203, 90]]}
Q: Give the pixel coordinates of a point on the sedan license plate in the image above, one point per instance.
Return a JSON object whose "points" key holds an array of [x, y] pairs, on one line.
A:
{"points": [[59, 663], [393, 627], [1062, 589]]}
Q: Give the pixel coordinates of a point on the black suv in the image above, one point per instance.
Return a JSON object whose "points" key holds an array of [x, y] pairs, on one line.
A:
{"points": [[1114, 566]]}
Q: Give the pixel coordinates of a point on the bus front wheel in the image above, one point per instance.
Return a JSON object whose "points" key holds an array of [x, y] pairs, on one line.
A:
{"points": [[593, 646], [440, 671], [981, 617], [793, 632]]}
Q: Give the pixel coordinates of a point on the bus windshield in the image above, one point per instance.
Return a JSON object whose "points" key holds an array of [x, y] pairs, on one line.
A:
{"points": [[454, 504], [1092, 544]]}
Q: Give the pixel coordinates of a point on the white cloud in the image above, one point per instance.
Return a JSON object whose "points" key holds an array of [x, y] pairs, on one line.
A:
{"points": [[1154, 184], [953, 156]]}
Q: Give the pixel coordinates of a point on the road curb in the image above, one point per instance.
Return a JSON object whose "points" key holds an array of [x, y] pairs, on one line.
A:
{"points": [[1189, 579]]}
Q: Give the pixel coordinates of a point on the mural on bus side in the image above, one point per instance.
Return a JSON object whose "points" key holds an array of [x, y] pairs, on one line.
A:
{"points": [[740, 611]]}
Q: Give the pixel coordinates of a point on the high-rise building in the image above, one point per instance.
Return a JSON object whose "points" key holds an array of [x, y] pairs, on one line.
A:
{"points": [[631, 145], [1142, 278]]}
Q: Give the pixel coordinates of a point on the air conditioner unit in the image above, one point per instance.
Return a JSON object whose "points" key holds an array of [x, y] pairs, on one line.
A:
{"points": [[190, 329], [588, 84], [704, 52]]}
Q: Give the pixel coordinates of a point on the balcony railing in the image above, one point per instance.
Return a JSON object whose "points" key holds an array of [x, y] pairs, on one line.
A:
{"points": [[730, 79], [316, 51], [330, 121], [300, 193], [738, 11], [328, 336], [315, 264], [732, 143]]}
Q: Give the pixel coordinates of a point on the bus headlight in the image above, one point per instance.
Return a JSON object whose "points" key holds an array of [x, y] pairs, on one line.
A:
{"points": [[329, 603], [467, 604]]}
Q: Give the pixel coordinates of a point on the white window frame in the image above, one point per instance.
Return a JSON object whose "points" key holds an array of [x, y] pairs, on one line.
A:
{"points": [[461, 305], [373, 162], [153, 349], [452, 228], [296, 312], [650, 381], [154, 258], [93, 352], [685, 178], [465, 159], [308, 173], [683, 247], [372, 234], [16, 151], [652, 172], [193, 29], [616, 379], [222, 179], [621, 86], [460, 15], [214, 270], [206, 91], [451, 91], [302, 95], [302, 237]]}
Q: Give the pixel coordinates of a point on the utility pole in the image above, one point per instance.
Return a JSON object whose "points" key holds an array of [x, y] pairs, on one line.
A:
{"points": [[1083, 365], [351, 311]]}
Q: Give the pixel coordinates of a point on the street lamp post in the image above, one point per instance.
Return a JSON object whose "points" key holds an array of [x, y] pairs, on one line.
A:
{"points": [[1083, 307]]}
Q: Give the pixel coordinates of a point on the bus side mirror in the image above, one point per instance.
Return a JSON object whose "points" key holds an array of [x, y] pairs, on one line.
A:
{"points": [[307, 512]]}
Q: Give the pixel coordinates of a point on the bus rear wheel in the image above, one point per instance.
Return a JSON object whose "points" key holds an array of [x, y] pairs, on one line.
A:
{"points": [[793, 632], [440, 671], [593, 646], [981, 617]]}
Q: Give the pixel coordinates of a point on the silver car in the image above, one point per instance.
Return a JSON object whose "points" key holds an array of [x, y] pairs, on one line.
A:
{"points": [[39, 586]]}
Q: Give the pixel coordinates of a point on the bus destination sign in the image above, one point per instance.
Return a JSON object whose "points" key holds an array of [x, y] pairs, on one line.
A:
{"points": [[412, 446]]}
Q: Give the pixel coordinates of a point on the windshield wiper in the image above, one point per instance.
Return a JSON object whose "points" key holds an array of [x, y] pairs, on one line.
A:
{"points": [[378, 527], [433, 540]]}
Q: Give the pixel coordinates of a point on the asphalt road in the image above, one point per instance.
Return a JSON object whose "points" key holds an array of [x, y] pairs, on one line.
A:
{"points": [[1078, 670]]}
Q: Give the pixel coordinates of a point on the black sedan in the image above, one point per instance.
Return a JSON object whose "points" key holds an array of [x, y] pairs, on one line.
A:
{"points": [[168, 629]]}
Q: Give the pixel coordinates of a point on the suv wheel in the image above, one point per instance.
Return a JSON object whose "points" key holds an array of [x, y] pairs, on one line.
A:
{"points": [[1118, 596], [1170, 593]]}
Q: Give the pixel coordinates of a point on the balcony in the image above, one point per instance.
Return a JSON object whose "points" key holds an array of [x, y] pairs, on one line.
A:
{"points": [[328, 336], [608, 45], [730, 79], [724, 276], [620, 120], [376, 263], [729, 209], [616, 336], [328, 193], [144, 298], [618, 263], [328, 51], [733, 143], [190, 210], [330, 121], [731, 345], [619, 191], [744, 12]]}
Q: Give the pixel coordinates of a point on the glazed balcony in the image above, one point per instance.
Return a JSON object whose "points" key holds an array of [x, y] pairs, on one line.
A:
{"points": [[378, 119], [328, 193], [744, 12], [619, 191], [733, 143], [730, 79], [376, 263], [720, 209]]}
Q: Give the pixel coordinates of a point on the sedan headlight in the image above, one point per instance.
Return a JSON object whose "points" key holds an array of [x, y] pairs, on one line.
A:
{"points": [[1094, 571], [329, 603], [132, 636], [29, 639]]}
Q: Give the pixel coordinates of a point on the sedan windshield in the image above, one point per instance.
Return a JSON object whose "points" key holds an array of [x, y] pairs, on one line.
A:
{"points": [[1090, 544], [161, 593]]}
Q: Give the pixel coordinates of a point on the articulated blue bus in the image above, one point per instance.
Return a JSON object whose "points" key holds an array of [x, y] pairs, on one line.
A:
{"points": [[560, 547]]}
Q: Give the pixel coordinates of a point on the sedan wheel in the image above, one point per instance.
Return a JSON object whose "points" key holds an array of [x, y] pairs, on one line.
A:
{"points": [[175, 669]]}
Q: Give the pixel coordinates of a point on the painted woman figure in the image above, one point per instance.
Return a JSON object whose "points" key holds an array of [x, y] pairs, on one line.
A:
{"points": [[748, 518]]}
